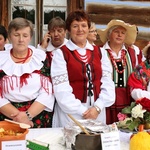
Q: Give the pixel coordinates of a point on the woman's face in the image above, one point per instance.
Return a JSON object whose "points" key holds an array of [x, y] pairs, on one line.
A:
{"points": [[2, 42], [57, 36], [20, 39], [92, 36], [78, 32], [118, 35]]}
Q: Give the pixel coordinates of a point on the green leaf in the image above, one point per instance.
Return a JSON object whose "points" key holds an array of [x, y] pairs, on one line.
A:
{"points": [[133, 104], [147, 117], [127, 110], [133, 125]]}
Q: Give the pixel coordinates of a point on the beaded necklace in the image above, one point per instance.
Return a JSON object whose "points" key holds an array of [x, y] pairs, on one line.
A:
{"points": [[85, 58], [114, 61], [23, 59]]}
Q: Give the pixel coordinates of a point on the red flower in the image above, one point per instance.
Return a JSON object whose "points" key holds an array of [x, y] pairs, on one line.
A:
{"points": [[22, 108], [145, 102], [46, 116], [38, 121]]}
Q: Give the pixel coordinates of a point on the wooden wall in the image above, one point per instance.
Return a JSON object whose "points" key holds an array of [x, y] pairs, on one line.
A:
{"points": [[4, 12], [72, 5], [101, 13]]}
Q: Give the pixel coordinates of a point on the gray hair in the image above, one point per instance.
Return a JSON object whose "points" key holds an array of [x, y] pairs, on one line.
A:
{"points": [[56, 22], [20, 23], [111, 29]]}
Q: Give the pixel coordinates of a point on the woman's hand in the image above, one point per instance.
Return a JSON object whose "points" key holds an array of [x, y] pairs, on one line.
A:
{"points": [[91, 113], [45, 40], [22, 118]]}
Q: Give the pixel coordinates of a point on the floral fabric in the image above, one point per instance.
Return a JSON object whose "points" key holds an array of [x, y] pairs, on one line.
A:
{"points": [[43, 120]]}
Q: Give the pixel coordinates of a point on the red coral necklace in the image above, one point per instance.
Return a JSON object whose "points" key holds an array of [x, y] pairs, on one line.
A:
{"points": [[22, 59], [85, 58], [122, 59]]}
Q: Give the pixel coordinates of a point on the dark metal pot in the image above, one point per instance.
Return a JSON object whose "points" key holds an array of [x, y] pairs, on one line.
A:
{"points": [[87, 142]]}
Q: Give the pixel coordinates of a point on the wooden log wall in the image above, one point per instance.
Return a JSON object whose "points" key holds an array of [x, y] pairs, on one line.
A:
{"points": [[4, 13], [101, 13]]}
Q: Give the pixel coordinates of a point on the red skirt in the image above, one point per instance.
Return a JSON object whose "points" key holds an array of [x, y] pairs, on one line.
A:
{"points": [[123, 99]]}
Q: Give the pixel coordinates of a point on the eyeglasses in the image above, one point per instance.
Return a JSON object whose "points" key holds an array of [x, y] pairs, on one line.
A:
{"points": [[93, 31]]}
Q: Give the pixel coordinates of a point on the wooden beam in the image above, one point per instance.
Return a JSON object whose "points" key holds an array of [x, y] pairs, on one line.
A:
{"points": [[4, 13], [102, 13], [74, 5]]}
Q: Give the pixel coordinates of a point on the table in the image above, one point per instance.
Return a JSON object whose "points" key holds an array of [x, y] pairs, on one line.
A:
{"points": [[40, 133]]}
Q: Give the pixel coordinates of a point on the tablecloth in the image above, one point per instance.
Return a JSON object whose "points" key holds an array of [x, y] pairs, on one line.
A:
{"points": [[41, 133]]}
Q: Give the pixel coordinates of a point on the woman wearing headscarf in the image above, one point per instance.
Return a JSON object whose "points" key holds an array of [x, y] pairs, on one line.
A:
{"points": [[139, 80]]}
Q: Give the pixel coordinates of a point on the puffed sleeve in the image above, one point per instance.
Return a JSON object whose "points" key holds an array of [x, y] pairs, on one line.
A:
{"points": [[3, 101], [46, 98], [62, 89], [107, 94]]}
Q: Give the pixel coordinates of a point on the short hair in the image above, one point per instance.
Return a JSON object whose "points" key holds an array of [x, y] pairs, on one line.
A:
{"points": [[112, 28], [20, 23], [3, 32], [92, 24], [77, 15], [56, 22]]}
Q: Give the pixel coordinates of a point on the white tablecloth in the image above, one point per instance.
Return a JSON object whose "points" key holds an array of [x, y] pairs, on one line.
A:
{"points": [[40, 134]]}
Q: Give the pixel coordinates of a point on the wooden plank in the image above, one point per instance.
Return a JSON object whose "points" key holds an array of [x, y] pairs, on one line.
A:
{"points": [[104, 19], [4, 13], [102, 13]]}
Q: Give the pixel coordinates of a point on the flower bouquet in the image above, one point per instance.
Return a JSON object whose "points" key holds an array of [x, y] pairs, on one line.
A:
{"points": [[134, 115]]}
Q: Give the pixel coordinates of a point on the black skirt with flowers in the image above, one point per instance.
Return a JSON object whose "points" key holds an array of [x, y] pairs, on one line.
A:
{"points": [[43, 120]]}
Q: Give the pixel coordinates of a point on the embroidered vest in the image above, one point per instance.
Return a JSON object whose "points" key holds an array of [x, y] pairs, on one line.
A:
{"points": [[77, 73]]}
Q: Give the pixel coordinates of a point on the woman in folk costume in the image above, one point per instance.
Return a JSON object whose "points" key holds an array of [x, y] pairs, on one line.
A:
{"points": [[123, 60], [25, 87], [81, 77], [139, 80]]}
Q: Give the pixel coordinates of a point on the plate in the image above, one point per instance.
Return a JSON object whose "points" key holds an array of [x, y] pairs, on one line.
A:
{"points": [[126, 130], [129, 131]]}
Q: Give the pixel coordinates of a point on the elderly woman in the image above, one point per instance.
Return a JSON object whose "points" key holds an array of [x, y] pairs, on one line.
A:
{"points": [[81, 77], [25, 87], [139, 80], [55, 37], [123, 60]]}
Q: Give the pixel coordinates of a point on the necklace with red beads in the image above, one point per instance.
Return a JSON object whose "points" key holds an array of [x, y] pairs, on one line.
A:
{"points": [[114, 61], [84, 58], [21, 59]]}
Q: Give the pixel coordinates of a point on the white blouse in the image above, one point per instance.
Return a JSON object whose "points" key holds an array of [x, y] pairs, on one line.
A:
{"points": [[66, 101], [50, 47], [33, 89]]}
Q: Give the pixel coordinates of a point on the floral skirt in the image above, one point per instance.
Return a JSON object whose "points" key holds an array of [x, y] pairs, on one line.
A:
{"points": [[43, 120]]}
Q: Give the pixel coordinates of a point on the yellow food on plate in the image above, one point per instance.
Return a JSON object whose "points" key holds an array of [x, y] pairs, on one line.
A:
{"points": [[4, 132]]}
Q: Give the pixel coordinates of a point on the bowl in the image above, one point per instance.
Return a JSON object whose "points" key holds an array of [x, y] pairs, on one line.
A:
{"points": [[13, 127], [87, 142]]}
